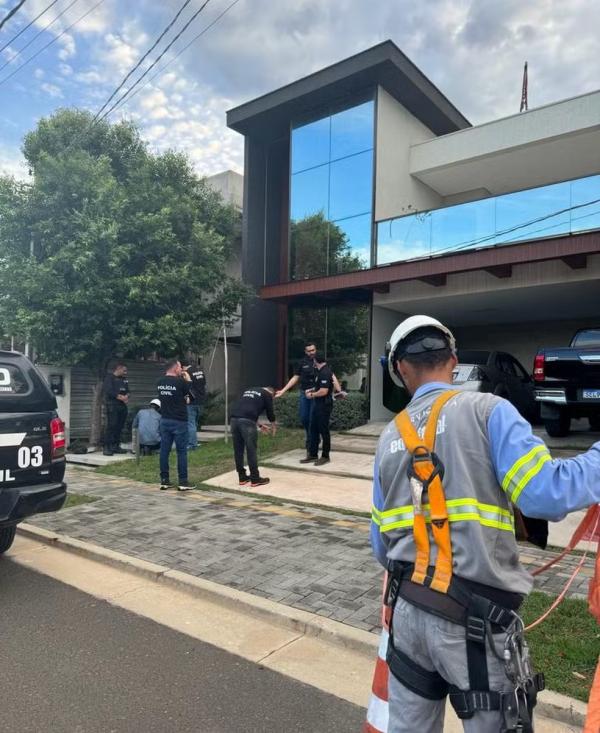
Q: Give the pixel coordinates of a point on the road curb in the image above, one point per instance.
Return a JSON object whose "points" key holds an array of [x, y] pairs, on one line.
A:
{"points": [[550, 704]]}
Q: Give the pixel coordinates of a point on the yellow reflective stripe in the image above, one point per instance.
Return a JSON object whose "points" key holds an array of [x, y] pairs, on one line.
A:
{"points": [[484, 507], [398, 510], [473, 517], [486, 514], [399, 524], [519, 464], [528, 476]]}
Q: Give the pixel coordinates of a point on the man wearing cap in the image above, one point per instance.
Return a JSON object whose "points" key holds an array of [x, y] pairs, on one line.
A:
{"points": [[321, 397], [147, 423], [447, 472]]}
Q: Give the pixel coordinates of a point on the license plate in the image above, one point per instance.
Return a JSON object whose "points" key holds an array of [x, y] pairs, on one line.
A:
{"points": [[590, 394]]}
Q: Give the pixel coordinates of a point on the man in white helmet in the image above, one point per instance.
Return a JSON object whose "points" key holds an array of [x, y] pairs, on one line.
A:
{"points": [[447, 471], [147, 423]]}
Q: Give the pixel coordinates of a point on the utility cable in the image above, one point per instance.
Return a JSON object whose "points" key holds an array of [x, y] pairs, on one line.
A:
{"points": [[10, 13], [142, 59], [153, 64], [185, 48], [62, 33], [26, 27], [38, 34]]}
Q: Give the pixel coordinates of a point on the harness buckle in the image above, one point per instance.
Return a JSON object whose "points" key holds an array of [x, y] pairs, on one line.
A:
{"points": [[476, 629]]}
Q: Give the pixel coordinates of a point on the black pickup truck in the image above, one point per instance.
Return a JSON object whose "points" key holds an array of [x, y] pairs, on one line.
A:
{"points": [[32, 446], [567, 382]]}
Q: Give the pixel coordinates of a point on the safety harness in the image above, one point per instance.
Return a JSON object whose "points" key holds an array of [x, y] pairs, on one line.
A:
{"points": [[480, 609]]}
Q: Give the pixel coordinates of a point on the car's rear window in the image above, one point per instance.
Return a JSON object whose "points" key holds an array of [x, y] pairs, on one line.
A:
{"points": [[13, 381], [22, 388], [588, 339], [466, 356]]}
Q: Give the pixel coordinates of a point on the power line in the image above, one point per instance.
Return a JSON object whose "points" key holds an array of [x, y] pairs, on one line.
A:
{"points": [[37, 35], [37, 17], [141, 60], [10, 13], [153, 64], [62, 33], [185, 48]]}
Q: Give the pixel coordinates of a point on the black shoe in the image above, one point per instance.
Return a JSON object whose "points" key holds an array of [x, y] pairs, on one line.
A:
{"points": [[322, 461], [260, 481], [186, 487], [106, 452], [309, 459], [164, 485], [244, 480], [120, 450]]}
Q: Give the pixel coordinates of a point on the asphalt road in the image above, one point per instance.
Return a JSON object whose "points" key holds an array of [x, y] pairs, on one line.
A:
{"points": [[71, 663]]}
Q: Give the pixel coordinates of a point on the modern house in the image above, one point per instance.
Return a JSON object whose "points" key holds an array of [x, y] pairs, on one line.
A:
{"points": [[368, 197]]}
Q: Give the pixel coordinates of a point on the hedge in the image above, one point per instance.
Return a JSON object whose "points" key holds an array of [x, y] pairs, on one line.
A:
{"points": [[347, 413]]}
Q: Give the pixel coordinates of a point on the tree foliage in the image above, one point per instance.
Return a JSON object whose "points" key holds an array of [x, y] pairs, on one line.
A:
{"points": [[111, 250]]}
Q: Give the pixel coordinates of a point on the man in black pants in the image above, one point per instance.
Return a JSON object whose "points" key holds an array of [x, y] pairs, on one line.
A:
{"points": [[116, 397], [242, 420], [321, 395]]}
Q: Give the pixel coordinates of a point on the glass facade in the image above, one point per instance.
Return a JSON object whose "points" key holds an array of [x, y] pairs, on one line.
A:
{"points": [[331, 193], [547, 211], [341, 331]]}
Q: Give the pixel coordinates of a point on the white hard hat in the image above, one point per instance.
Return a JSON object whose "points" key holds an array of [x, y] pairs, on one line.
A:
{"points": [[155, 401], [404, 329]]}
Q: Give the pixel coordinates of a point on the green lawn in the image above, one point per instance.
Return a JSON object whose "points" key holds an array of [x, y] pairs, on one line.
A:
{"points": [[566, 646], [211, 459]]}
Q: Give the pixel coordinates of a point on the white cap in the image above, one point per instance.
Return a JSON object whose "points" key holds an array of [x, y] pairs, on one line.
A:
{"points": [[155, 401]]}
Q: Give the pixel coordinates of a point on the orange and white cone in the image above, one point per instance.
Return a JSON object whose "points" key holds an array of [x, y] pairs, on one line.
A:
{"points": [[378, 711]]}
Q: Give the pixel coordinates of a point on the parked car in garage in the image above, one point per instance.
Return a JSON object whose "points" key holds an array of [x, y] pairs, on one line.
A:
{"points": [[32, 446], [567, 382], [499, 373]]}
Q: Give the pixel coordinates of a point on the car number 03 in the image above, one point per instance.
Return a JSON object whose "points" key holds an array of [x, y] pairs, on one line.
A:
{"points": [[27, 457]]}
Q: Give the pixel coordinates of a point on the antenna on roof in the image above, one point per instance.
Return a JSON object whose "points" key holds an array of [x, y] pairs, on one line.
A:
{"points": [[524, 107]]}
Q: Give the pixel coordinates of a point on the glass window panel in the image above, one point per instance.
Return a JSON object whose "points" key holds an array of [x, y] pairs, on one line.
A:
{"points": [[533, 214], [309, 247], [404, 238], [310, 193], [351, 186], [310, 144], [348, 342], [586, 206], [463, 226], [352, 130], [350, 244]]}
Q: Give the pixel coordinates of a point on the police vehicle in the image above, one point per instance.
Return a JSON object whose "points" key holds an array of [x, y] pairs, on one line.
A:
{"points": [[32, 446]]}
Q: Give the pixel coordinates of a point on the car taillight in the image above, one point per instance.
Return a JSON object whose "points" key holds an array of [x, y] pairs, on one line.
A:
{"points": [[538, 368], [57, 437]]}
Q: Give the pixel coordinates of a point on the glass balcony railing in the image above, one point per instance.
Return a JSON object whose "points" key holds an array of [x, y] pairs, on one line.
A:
{"points": [[538, 213]]}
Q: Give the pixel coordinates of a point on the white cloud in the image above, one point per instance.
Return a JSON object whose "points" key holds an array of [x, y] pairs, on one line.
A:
{"points": [[68, 47], [39, 73], [65, 69], [12, 163], [89, 77], [52, 90]]}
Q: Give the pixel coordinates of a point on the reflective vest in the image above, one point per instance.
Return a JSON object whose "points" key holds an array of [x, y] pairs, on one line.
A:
{"points": [[477, 511]]}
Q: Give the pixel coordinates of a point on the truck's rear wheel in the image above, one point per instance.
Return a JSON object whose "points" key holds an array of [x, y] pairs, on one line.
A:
{"points": [[594, 422], [558, 427], [7, 535]]}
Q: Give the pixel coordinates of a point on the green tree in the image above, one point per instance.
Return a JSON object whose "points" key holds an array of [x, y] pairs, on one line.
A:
{"points": [[111, 250]]}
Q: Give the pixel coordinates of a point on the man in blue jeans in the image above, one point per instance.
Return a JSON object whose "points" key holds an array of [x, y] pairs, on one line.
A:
{"points": [[173, 390]]}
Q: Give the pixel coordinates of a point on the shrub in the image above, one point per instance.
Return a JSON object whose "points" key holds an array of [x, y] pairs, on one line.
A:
{"points": [[347, 414]]}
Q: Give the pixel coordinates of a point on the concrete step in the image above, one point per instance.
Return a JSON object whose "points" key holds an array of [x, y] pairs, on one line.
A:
{"points": [[347, 443], [351, 494], [358, 465]]}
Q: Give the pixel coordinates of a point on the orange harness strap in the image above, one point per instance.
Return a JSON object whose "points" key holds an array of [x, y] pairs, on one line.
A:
{"points": [[437, 499]]}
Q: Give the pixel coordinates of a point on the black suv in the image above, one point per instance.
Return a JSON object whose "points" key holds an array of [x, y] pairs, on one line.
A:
{"points": [[32, 446]]}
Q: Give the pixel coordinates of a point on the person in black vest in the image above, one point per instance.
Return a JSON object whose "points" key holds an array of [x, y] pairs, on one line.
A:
{"points": [[116, 397], [321, 396], [242, 419], [173, 391], [197, 397]]}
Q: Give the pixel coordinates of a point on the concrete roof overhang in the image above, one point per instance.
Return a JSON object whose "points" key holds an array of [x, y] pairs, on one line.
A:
{"points": [[268, 116], [553, 143], [497, 260]]}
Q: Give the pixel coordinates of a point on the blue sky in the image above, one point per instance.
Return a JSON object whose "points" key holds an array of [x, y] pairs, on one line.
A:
{"points": [[472, 50]]}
